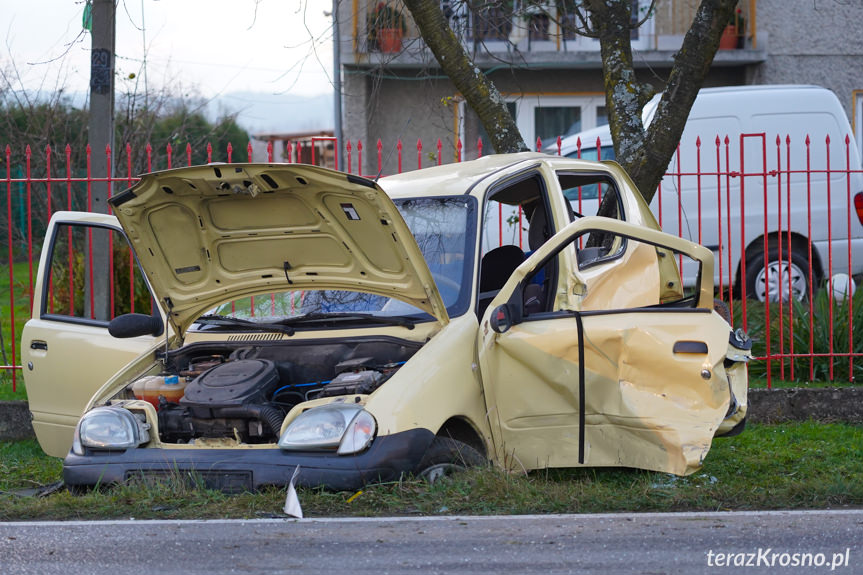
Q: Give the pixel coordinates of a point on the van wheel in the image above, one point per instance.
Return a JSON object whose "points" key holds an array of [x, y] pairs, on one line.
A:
{"points": [[796, 268], [446, 456]]}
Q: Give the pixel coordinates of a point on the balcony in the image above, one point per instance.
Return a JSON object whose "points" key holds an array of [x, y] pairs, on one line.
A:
{"points": [[530, 34]]}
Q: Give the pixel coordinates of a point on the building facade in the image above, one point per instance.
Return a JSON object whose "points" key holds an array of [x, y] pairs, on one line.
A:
{"points": [[551, 77]]}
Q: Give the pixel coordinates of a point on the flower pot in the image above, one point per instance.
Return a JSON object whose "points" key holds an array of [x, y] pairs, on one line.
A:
{"points": [[728, 40], [390, 40]]}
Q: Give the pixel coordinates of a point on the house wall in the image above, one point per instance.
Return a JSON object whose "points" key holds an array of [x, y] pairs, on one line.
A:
{"points": [[811, 43]]}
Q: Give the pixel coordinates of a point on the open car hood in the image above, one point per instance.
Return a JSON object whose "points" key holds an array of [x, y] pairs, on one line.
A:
{"points": [[205, 235]]}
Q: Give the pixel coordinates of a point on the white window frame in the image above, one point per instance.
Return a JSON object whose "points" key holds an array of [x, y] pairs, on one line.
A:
{"points": [[525, 107], [526, 104]]}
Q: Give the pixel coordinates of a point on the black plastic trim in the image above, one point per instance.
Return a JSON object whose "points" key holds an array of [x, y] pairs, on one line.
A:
{"points": [[122, 198], [359, 180]]}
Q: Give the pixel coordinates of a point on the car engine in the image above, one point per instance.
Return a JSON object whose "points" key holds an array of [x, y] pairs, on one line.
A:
{"points": [[243, 393]]}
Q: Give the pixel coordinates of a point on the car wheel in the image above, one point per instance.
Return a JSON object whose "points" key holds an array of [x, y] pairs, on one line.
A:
{"points": [[795, 269], [446, 456]]}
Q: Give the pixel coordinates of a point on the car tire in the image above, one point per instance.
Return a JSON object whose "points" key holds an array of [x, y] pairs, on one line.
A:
{"points": [[797, 265], [446, 456]]}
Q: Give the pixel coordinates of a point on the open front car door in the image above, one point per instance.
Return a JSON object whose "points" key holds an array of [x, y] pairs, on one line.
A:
{"points": [[623, 368]]}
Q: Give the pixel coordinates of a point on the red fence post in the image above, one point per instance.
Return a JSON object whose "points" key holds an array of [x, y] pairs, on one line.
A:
{"points": [[727, 142], [170, 151], [788, 215], [359, 157], [189, 154], [698, 184], [27, 156], [210, 154], [439, 152], [809, 236], [849, 294], [11, 260], [249, 151], [269, 151], [560, 145], [399, 149], [48, 211], [131, 259], [717, 143], [230, 151], [458, 150], [538, 144], [829, 256], [419, 154], [779, 242], [110, 181], [48, 178], [479, 147], [90, 234], [349, 148], [69, 237], [380, 147]]}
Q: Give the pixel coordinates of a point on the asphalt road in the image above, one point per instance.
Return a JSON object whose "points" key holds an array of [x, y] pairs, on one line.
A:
{"points": [[771, 542]]}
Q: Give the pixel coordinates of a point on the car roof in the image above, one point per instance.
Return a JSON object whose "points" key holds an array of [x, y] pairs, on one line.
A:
{"points": [[453, 179]]}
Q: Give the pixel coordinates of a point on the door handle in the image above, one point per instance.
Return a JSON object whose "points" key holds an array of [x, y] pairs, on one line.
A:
{"points": [[684, 346], [39, 344]]}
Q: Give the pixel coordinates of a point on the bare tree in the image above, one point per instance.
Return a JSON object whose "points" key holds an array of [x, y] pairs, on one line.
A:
{"points": [[643, 153]]}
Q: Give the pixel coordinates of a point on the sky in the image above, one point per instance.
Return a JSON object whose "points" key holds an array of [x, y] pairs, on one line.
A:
{"points": [[240, 53]]}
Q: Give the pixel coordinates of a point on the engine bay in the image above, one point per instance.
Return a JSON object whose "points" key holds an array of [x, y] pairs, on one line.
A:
{"points": [[243, 392]]}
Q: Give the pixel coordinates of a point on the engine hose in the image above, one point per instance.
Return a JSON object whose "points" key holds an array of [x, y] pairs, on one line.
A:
{"points": [[271, 415]]}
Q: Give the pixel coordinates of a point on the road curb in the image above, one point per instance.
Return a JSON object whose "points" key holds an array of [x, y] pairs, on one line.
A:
{"points": [[829, 404]]}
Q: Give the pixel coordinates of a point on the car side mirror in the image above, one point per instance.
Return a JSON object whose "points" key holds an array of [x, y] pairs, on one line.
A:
{"points": [[501, 319], [135, 324]]}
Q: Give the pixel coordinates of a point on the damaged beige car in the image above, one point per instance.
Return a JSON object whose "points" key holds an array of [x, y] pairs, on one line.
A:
{"points": [[367, 330]]}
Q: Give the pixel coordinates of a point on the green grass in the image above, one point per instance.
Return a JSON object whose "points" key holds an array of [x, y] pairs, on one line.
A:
{"points": [[789, 466], [22, 314]]}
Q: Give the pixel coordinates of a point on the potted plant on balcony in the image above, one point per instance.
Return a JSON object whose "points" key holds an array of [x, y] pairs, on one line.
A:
{"points": [[732, 36], [386, 28]]}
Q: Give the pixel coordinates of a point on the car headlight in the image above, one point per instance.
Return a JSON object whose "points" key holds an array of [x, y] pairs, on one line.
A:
{"points": [[109, 428], [347, 428]]}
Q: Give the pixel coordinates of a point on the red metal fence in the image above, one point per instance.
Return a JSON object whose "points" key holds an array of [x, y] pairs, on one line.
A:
{"points": [[796, 341]]}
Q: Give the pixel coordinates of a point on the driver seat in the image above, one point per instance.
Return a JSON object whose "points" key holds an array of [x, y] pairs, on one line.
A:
{"points": [[495, 268]]}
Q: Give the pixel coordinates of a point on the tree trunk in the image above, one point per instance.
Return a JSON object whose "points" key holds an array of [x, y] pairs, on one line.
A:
{"points": [[479, 92], [645, 154]]}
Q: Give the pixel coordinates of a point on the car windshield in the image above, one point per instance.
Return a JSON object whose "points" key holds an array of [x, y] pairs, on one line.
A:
{"points": [[445, 230]]}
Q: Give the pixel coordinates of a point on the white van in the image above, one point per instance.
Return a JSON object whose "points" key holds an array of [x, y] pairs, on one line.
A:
{"points": [[767, 128]]}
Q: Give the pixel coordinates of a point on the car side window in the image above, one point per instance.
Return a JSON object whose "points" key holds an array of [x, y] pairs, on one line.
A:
{"points": [[516, 222], [591, 194], [92, 277]]}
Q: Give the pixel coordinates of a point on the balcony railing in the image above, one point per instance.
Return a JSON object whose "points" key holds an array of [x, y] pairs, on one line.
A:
{"points": [[532, 27]]}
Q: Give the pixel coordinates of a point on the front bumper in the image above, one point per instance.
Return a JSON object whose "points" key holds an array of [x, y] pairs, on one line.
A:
{"points": [[237, 470]]}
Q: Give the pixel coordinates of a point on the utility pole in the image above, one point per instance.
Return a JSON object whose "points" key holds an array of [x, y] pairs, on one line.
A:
{"points": [[337, 86], [100, 137]]}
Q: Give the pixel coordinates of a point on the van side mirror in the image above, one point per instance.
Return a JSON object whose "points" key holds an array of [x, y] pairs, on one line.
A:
{"points": [[500, 319], [135, 324]]}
